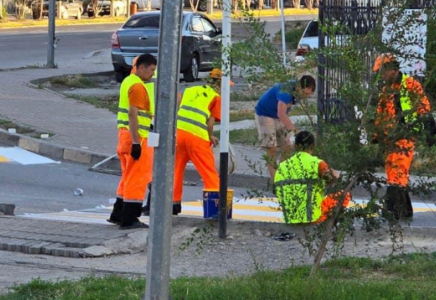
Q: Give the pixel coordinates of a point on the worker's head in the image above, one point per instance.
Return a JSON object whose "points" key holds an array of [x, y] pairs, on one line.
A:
{"points": [[307, 86], [145, 66], [388, 65], [304, 141], [214, 78]]}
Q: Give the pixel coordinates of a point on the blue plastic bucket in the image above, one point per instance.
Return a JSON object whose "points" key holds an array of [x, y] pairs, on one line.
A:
{"points": [[211, 200]]}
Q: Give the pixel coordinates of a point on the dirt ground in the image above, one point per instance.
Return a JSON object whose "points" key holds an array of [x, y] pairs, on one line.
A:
{"points": [[249, 247]]}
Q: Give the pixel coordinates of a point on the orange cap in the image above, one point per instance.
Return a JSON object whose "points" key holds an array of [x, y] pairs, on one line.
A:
{"points": [[383, 59], [217, 74]]}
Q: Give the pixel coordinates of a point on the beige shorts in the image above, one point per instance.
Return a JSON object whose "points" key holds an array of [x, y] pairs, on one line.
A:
{"points": [[272, 132]]}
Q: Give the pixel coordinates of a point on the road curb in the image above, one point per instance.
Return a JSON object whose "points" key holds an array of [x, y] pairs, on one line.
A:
{"points": [[50, 150], [112, 166]]}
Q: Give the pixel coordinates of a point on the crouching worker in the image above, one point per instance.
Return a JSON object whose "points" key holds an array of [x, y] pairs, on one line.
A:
{"points": [[301, 181]]}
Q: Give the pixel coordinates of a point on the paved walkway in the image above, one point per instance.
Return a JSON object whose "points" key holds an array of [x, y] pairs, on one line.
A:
{"points": [[77, 125]]}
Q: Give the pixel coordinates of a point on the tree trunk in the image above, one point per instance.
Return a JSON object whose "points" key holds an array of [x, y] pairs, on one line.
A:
{"points": [[41, 6], [330, 223]]}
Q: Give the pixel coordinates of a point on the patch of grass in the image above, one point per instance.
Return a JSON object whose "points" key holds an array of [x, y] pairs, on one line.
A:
{"points": [[404, 277], [75, 81], [241, 115], [241, 136], [64, 22], [292, 37], [6, 124], [109, 102], [297, 110], [15, 23], [244, 96]]}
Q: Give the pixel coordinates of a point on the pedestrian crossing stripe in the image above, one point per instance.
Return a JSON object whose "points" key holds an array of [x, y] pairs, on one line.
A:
{"points": [[23, 157], [263, 210]]}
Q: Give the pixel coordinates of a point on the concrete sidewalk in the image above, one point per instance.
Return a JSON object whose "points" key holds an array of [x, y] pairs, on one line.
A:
{"points": [[81, 132]]}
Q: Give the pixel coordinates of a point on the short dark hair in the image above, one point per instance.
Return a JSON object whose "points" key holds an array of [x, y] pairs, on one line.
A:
{"points": [[304, 140], [392, 65], [146, 60], [307, 81]]}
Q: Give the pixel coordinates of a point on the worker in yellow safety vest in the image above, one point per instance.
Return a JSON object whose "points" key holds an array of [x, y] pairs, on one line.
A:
{"points": [[135, 113], [200, 106], [301, 181]]}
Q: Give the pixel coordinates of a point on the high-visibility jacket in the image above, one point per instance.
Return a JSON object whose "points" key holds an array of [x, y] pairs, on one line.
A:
{"points": [[299, 188], [194, 110], [144, 116], [410, 117]]}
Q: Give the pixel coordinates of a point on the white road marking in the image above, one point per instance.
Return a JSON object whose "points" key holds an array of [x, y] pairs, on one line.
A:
{"points": [[24, 157]]}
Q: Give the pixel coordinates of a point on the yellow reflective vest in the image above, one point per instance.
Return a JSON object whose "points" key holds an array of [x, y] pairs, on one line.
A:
{"points": [[299, 188], [406, 104], [144, 117], [194, 110]]}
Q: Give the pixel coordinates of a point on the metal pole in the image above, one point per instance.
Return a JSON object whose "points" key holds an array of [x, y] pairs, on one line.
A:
{"points": [[282, 6], [224, 139], [128, 8], [51, 34], [159, 239], [321, 76]]}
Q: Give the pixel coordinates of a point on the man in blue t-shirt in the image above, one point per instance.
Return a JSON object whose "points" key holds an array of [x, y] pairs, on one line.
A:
{"points": [[272, 120]]}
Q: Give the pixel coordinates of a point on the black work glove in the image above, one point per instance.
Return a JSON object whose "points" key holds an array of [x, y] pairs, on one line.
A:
{"points": [[136, 151]]}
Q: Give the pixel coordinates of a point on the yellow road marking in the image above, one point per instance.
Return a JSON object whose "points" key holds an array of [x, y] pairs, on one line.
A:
{"points": [[3, 159], [238, 206]]}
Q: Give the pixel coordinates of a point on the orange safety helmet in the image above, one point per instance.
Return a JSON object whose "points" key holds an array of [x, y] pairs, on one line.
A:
{"points": [[217, 74], [383, 59]]}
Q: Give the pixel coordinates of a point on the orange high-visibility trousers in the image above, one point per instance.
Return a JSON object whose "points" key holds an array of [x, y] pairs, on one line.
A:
{"points": [[397, 164], [137, 173], [190, 147], [123, 150], [329, 202]]}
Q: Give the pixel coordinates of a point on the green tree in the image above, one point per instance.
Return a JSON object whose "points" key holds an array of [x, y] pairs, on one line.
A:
{"points": [[348, 60]]}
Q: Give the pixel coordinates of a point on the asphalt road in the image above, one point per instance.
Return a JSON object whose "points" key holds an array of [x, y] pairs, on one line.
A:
{"points": [[28, 46], [42, 188], [24, 47]]}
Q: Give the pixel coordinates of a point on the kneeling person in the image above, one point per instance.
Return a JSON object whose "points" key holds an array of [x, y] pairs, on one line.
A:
{"points": [[300, 184]]}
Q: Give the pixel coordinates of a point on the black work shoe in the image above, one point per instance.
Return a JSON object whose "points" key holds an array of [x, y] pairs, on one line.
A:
{"points": [[177, 209], [133, 225], [116, 222]]}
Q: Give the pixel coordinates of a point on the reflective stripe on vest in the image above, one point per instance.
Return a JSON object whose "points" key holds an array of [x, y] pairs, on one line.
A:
{"points": [[299, 189], [194, 110], [144, 117]]}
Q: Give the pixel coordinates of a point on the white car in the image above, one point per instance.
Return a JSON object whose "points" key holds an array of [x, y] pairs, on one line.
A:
{"points": [[309, 40]]}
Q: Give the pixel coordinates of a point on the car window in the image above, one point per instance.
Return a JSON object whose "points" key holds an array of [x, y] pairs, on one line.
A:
{"points": [[208, 27], [143, 22], [312, 30], [197, 25]]}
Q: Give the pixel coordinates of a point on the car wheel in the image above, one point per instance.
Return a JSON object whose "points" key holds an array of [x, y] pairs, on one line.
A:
{"points": [[90, 14], [191, 74], [120, 75]]}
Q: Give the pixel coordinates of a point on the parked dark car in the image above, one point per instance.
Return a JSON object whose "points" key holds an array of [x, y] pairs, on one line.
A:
{"points": [[200, 44]]}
